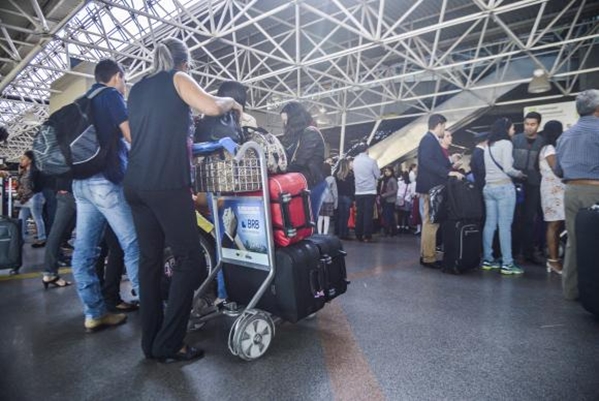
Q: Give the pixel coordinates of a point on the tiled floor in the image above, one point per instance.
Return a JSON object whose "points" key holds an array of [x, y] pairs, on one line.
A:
{"points": [[402, 332]]}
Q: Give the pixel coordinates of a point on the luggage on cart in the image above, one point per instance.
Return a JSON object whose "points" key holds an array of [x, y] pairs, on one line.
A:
{"points": [[587, 254], [296, 290], [11, 244], [290, 208], [462, 245], [333, 259]]}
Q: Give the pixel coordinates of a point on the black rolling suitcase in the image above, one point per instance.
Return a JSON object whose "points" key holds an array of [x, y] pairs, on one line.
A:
{"points": [[333, 258], [462, 245], [587, 254], [11, 244], [297, 289]]}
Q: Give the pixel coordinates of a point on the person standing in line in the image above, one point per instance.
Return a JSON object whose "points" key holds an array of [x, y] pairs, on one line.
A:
{"points": [[417, 205], [305, 149], [477, 160], [330, 202], [366, 175], [388, 199], [99, 199], [32, 202], [552, 194], [577, 162], [158, 188], [403, 203], [500, 198], [64, 221], [434, 168], [344, 178], [527, 146]]}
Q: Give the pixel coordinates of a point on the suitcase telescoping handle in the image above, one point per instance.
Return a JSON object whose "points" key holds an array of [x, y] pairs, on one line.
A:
{"points": [[316, 284], [307, 209], [285, 201]]}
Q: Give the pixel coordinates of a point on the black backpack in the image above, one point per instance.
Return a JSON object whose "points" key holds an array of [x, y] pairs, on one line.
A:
{"points": [[68, 142], [213, 128]]}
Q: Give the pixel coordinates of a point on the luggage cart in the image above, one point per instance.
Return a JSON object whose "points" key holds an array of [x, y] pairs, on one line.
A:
{"points": [[253, 330]]}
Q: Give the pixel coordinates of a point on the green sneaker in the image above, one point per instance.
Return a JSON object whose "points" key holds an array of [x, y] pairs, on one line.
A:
{"points": [[511, 269], [494, 265]]}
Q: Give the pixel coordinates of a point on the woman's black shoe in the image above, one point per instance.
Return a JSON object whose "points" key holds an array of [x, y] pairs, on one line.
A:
{"points": [[189, 354]]}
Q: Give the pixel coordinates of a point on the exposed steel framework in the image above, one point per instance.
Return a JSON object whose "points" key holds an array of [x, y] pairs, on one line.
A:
{"points": [[351, 61]]}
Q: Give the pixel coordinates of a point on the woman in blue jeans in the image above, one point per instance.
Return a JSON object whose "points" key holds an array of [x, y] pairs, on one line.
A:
{"points": [[500, 197], [344, 178]]}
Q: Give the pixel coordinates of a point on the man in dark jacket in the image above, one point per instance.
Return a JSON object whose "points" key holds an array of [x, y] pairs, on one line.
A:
{"points": [[433, 169], [527, 146]]}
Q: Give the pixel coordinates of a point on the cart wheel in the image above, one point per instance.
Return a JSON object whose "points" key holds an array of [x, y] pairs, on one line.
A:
{"points": [[251, 335]]}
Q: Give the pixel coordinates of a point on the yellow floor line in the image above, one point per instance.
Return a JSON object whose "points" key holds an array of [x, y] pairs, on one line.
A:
{"points": [[65, 270]]}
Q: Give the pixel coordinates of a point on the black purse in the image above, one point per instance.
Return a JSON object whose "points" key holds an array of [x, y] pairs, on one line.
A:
{"points": [[211, 129]]}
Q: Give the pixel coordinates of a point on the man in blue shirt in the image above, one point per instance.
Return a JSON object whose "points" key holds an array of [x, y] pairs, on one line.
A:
{"points": [[100, 199], [578, 164]]}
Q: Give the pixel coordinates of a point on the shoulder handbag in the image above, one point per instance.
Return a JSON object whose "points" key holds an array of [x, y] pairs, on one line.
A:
{"points": [[520, 194]]}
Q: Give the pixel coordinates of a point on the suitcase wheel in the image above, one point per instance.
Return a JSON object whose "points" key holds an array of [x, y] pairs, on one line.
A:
{"points": [[251, 334]]}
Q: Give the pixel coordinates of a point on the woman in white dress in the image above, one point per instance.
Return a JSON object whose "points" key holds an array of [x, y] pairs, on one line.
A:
{"points": [[552, 194]]}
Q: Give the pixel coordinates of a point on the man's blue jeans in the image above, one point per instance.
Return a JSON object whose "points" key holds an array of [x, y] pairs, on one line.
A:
{"points": [[100, 201], [500, 202]]}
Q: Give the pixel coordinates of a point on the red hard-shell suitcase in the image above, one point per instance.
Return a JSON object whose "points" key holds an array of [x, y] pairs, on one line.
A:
{"points": [[290, 208]]}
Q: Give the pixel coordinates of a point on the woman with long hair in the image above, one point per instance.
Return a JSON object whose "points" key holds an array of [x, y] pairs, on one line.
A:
{"points": [[388, 197], [344, 178], [32, 202], [500, 197], [158, 188], [552, 194], [305, 150]]}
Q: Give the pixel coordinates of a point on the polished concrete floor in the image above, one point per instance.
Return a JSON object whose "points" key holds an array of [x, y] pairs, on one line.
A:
{"points": [[402, 332]]}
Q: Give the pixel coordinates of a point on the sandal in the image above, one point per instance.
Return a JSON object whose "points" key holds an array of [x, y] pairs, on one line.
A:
{"points": [[56, 282], [552, 268]]}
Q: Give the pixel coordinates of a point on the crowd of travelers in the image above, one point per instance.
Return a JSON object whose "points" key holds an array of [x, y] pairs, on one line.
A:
{"points": [[141, 201]]}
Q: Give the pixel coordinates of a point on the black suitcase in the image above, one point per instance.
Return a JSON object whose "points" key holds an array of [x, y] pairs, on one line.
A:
{"points": [[587, 254], [11, 244], [296, 290], [462, 246], [333, 258]]}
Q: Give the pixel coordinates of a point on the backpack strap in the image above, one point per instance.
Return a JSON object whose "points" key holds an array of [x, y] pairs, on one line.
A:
{"points": [[96, 92]]}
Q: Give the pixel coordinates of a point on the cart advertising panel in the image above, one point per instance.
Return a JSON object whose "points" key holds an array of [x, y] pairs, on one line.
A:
{"points": [[243, 238]]}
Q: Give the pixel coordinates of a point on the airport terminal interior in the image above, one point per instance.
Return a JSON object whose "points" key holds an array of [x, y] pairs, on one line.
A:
{"points": [[367, 71]]}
